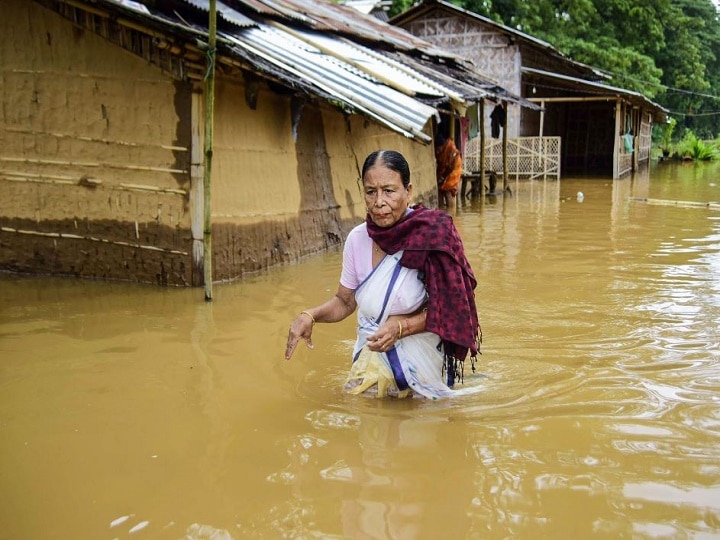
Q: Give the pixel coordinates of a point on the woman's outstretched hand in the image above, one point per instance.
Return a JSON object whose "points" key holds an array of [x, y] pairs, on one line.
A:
{"points": [[301, 328]]}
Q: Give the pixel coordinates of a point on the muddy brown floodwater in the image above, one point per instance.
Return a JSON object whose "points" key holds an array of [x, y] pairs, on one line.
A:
{"points": [[137, 412]]}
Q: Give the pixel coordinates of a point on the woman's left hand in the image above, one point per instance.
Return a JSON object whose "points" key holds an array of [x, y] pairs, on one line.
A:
{"points": [[385, 337]]}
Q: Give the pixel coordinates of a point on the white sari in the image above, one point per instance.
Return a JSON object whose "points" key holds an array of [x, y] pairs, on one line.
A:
{"points": [[414, 364]]}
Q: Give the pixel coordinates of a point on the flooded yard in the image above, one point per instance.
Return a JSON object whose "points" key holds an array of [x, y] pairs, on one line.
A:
{"points": [[132, 411]]}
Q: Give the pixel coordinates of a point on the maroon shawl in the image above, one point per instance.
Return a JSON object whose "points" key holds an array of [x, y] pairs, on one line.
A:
{"points": [[432, 245]]}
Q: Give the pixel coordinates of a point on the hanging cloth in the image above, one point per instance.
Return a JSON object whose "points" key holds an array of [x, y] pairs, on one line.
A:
{"points": [[628, 141], [497, 120]]}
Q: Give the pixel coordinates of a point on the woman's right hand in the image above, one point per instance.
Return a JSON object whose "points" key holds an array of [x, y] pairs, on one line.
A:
{"points": [[386, 336], [336, 309], [301, 328]]}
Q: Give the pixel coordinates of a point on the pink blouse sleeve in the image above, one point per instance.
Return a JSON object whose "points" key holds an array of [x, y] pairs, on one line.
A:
{"points": [[357, 258]]}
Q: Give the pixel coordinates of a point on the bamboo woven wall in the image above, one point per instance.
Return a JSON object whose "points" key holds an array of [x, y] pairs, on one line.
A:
{"points": [[490, 51]]}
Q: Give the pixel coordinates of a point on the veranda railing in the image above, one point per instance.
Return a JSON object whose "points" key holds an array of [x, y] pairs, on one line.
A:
{"points": [[528, 157]]}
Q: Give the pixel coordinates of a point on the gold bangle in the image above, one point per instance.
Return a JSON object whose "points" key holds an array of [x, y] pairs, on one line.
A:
{"points": [[400, 328], [309, 315]]}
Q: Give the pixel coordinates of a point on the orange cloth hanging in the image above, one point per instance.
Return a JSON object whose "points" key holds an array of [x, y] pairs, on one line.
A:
{"points": [[449, 167]]}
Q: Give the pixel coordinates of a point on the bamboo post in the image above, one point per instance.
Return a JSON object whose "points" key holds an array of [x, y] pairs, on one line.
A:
{"points": [[637, 127], [616, 140], [504, 147], [455, 136], [209, 113], [197, 183], [481, 128], [543, 149]]}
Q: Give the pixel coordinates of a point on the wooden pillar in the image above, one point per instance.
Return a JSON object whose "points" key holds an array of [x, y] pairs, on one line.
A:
{"points": [[197, 174], [637, 128], [616, 139], [209, 113], [481, 130], [454, 135], [504, 147], [542, 161]]}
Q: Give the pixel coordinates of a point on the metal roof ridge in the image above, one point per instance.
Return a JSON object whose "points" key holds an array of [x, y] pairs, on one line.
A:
{"points": [[290, 13], [410, 72], [225, 11]]}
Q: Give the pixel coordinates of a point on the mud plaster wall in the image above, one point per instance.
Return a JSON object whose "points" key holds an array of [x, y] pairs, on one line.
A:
{"points": [[93, 155], [94, 161], [278, 196]]}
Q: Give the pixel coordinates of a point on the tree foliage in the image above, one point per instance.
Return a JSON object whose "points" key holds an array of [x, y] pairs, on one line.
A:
{"points": [[667, 49]]}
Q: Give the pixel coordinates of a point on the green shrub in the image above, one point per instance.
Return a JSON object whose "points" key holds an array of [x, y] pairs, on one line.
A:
{"points": [[690, 147]]}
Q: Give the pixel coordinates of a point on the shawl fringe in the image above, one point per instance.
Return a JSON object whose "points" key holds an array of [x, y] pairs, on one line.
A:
{"points": [[454, 368]]}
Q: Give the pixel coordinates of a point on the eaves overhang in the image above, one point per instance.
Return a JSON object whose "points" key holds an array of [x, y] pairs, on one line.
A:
{"points": [[597, 89]]}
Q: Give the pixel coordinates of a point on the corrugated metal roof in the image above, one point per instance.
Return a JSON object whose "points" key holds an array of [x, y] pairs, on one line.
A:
{"points": [[276, 9], [390, 72], [328, 16], [224, 11], [342, 80]]}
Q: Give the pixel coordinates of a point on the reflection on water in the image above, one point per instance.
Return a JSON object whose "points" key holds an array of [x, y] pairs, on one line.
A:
{"points": [[130, 411]]}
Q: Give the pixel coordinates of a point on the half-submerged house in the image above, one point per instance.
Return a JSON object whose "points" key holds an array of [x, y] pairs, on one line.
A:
{"points": [[102, 131], [584, 126]]}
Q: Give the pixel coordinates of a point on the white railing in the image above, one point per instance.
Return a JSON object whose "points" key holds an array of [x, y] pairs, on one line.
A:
{"points": [[530, 157]]}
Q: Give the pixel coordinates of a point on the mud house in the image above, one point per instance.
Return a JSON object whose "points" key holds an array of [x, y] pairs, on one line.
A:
{"points": [[102, 131], [583, 125]]}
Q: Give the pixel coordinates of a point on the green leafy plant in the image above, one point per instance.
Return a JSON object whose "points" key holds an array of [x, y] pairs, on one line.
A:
{"points": [[692, 148]]}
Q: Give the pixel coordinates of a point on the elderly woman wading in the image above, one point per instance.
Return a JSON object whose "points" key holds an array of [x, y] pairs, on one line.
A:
{"points": [[405, 271]]}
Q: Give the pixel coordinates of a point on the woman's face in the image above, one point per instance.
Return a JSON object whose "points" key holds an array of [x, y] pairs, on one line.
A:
{"points": [[385, 196]]}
